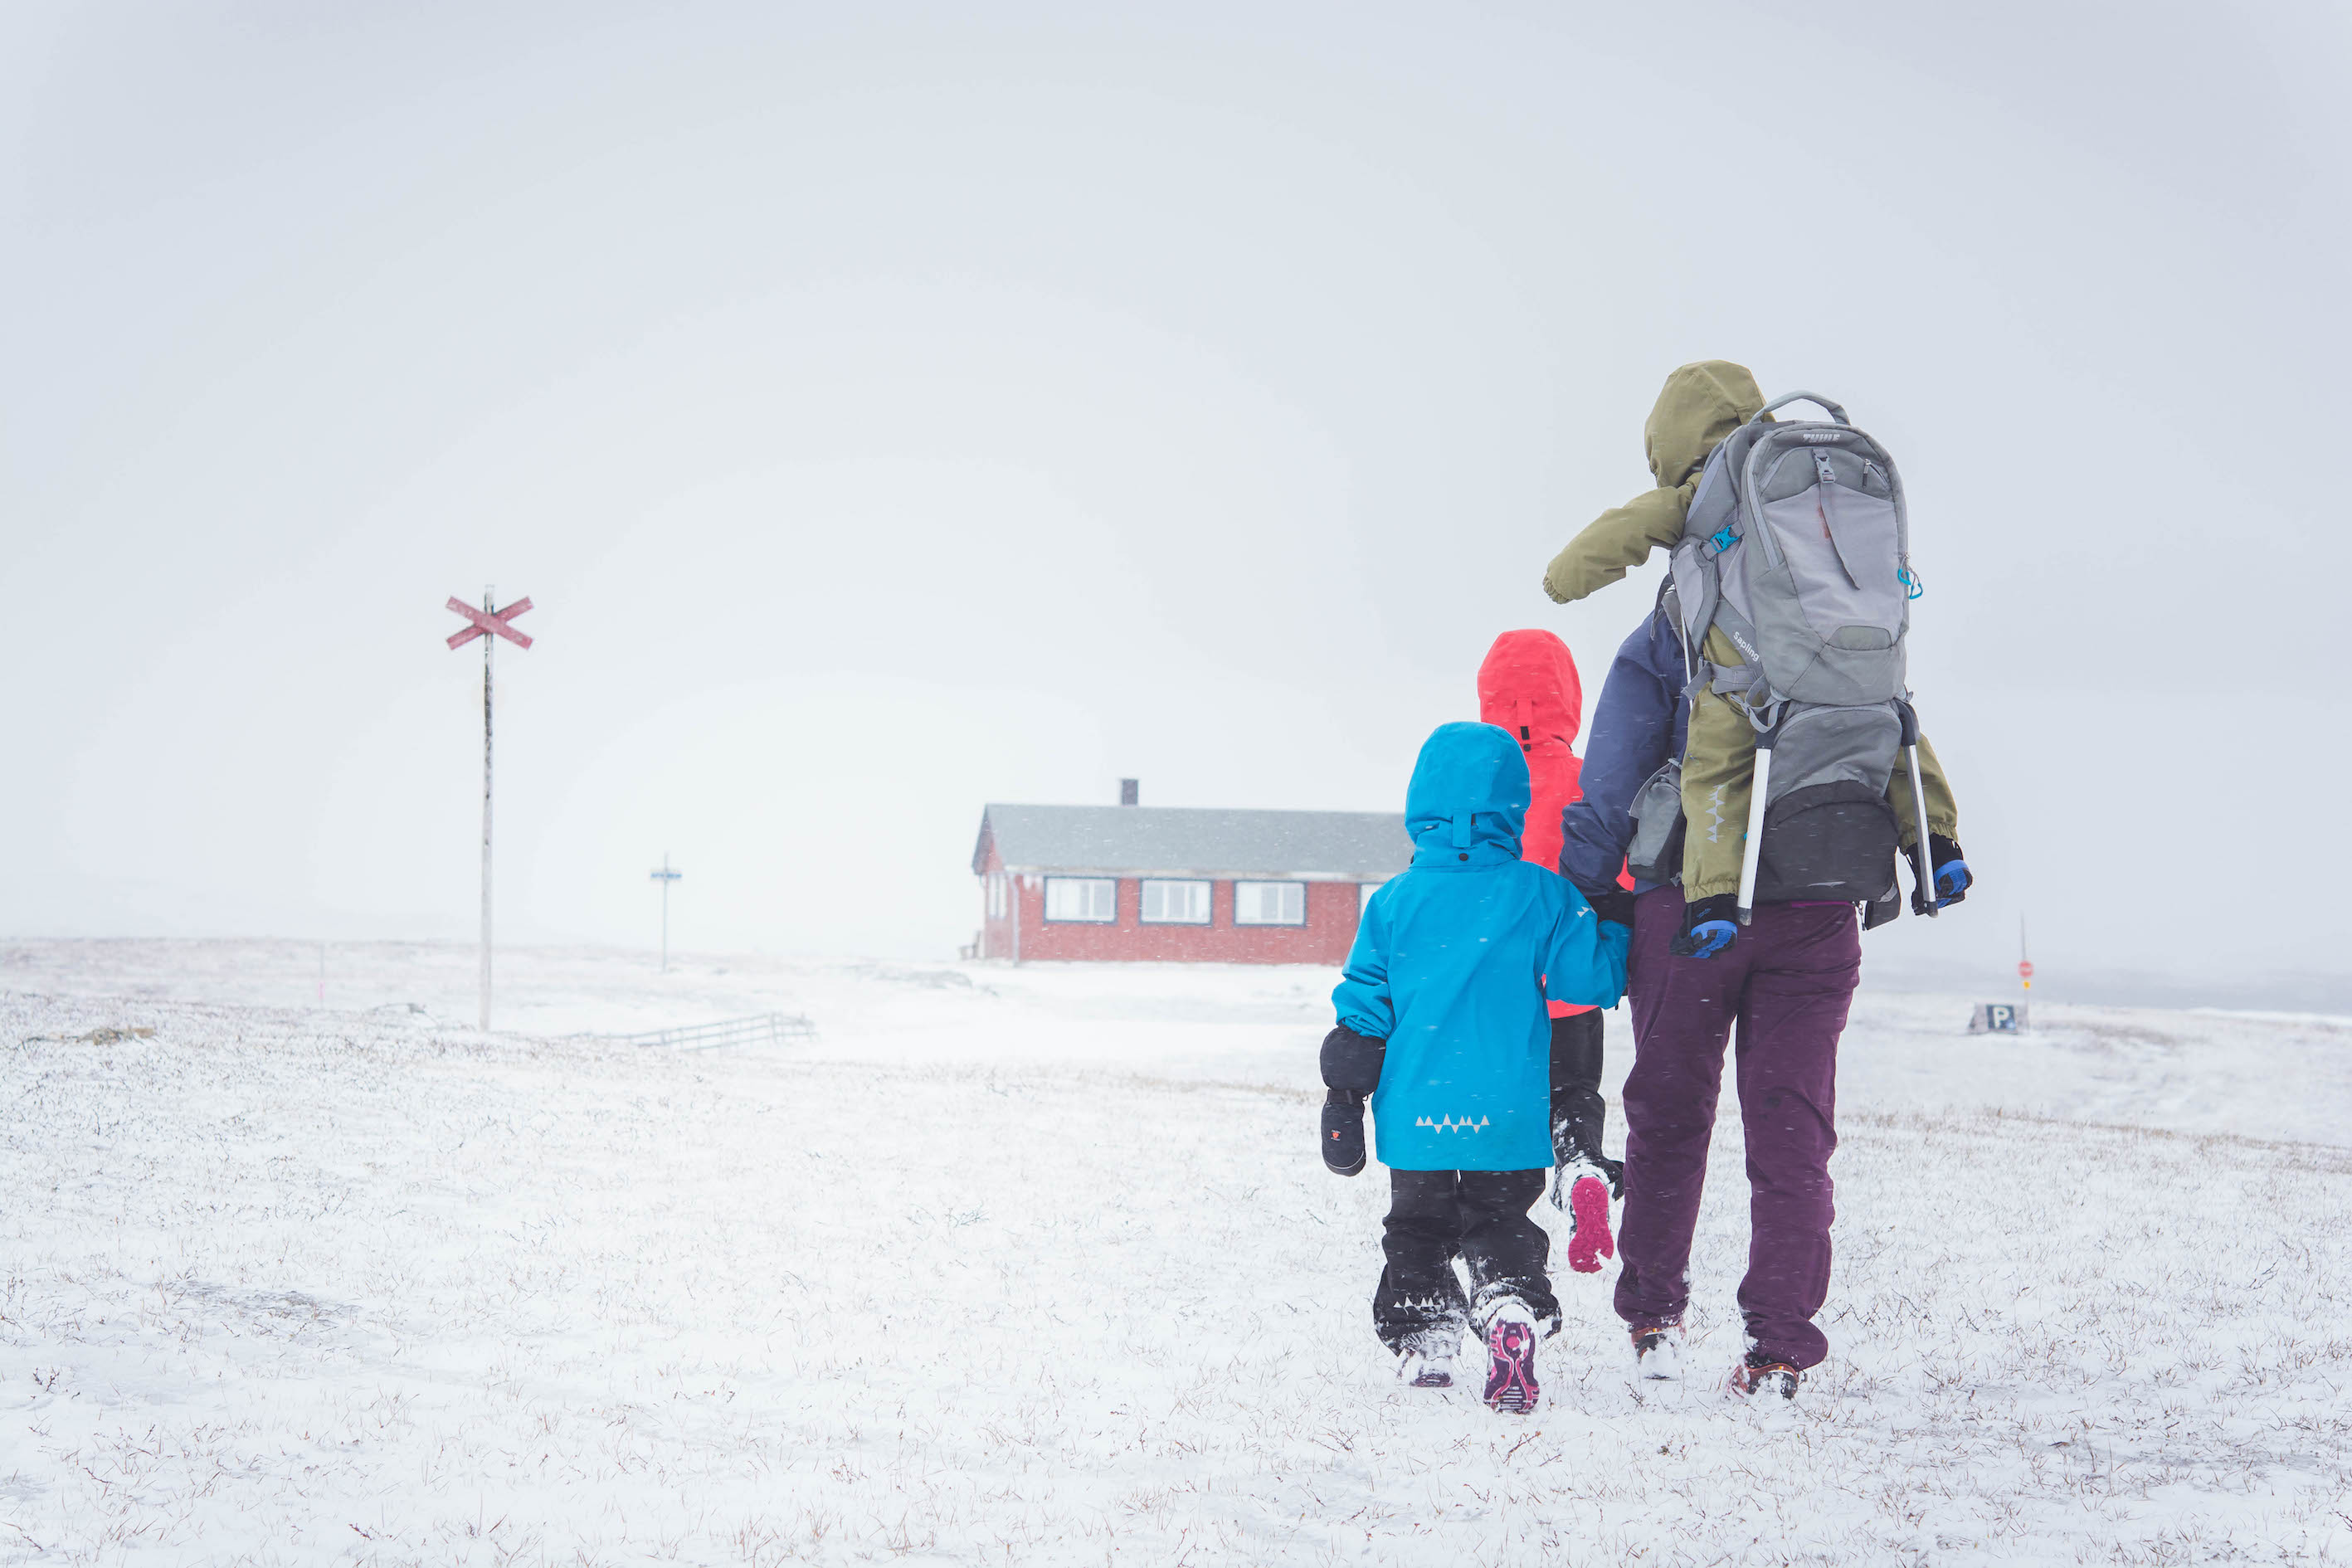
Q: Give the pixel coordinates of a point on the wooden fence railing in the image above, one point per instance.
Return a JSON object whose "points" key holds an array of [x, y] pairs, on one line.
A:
{"points": [[777, 1028]]}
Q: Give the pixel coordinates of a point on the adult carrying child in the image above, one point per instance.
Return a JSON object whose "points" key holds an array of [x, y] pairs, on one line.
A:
{"points": [[1754, 744], [1791, 587]]}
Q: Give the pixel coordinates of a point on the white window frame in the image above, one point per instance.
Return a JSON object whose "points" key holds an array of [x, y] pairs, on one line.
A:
{"points": [[996, 898], [1242, 919], [1364, 891], [1198, 893], [1094, 887]]}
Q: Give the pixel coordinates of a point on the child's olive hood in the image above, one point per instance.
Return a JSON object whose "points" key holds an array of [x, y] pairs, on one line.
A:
{"points": [[1469, 793], [1701, 405]]}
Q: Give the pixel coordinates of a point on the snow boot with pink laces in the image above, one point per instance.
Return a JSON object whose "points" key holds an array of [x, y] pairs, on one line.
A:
{"points": [[1511, 1336]]}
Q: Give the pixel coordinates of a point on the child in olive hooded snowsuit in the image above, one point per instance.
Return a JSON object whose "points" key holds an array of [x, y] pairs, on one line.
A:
{"points": [[1701, 405], [1442, 1022]]}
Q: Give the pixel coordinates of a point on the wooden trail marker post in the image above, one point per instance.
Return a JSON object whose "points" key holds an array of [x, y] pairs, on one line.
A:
{"points": [[489, 625]]}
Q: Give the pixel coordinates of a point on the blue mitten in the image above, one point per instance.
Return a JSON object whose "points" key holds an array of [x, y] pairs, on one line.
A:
{"points": [[1709, 926], [1952, 878]]}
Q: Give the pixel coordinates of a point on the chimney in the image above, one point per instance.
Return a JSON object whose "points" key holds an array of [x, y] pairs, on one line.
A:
{"points": [[1130, 791]]}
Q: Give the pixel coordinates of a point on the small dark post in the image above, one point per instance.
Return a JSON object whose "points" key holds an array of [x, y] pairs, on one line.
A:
{"points": [[1130, 791]]}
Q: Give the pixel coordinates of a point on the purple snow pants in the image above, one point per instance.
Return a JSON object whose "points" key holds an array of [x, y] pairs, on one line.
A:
{"points": [[1787, 982]]}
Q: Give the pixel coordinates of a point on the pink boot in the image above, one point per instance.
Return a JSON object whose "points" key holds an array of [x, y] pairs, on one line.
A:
{"points": [[1588, 1205], [1511, 1361]]}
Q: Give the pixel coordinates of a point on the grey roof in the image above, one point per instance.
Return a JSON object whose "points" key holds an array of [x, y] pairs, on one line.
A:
{"points": [[1129, 840]]}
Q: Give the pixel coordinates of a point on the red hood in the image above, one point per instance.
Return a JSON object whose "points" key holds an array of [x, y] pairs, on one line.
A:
{"points": [[1528, 684]]}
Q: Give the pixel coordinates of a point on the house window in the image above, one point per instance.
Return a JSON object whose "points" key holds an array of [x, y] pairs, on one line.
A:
{"points": [[996, 895], [1364, 891], [1269, 904], [1094, 899], [1174, 904]]}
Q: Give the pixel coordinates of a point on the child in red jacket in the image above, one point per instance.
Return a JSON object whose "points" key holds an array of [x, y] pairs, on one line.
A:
{"points": [[1529, 686]]}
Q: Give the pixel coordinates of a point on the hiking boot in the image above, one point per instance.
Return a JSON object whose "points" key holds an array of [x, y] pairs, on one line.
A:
{"points": [[1658, 1352], [1758, 1373], [1511, 1360], [1426, 1359]]}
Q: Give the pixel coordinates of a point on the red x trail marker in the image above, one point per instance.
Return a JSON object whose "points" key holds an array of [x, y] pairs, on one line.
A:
{"points": [[489, 625], [486, 622]]}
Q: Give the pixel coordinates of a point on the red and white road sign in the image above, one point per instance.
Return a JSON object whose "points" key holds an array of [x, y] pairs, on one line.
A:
{"points": [[485, 623], [2025, 969]]}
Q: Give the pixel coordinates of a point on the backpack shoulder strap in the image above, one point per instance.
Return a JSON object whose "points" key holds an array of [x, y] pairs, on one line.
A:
{"points": [[1697, 584]]}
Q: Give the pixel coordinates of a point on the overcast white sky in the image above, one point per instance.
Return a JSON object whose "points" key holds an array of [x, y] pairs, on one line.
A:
{"points": [[892, 408]]}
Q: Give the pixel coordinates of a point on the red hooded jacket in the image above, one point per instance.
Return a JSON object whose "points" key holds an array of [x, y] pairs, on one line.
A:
{"points": [[1529, 686]]}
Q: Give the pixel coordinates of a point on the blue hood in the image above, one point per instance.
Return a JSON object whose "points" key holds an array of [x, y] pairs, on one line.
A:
{"points": [[1468, 798]]}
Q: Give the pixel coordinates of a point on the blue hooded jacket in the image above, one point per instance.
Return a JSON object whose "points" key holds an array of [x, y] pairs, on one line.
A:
{"points": [[1454, 959]]}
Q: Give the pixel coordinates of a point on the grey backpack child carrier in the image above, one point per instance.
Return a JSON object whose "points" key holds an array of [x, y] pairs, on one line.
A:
{"points": [[1797, 546]]}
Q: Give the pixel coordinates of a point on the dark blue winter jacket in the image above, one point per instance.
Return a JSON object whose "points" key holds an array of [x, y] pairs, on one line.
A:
{"points": [[1454, 959], [1638, 724]]}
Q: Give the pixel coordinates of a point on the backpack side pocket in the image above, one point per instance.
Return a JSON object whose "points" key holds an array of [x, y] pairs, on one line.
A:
{"points": [[1655, 854]]}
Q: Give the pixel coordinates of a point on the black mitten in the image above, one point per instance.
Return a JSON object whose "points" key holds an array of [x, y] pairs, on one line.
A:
{"points": [[1351, 1060], [1351, 1069], [1612, 903], [1343, 1132]]}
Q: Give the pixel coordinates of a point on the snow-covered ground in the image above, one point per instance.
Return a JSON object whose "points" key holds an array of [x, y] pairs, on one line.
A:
{"points": [[1040, 1267]]}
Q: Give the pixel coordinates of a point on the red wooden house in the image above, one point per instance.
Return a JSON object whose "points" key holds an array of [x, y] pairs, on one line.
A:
{"points": [[1134, 882]]}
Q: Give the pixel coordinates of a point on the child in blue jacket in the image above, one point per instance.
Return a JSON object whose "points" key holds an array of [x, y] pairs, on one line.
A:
{"points": [[1443, 1023]]}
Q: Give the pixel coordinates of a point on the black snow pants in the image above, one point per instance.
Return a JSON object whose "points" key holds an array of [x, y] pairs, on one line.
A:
{"points": [[1479, 1216], [1578, 1111]]}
